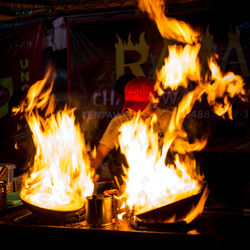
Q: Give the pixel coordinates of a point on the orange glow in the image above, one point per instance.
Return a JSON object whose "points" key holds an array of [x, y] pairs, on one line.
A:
{"points": [[224, 86], [150, 181], [168, 27], [59, 178], [188, 67], [198, 209]]}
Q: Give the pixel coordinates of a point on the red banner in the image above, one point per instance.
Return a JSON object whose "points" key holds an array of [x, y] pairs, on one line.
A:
{"points": [[20, 60]]}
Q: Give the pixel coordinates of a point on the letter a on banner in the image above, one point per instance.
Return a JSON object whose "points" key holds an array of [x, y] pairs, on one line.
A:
{"points": [[234, 43]]}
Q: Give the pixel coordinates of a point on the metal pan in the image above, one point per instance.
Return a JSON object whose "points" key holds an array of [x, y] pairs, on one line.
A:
{"points": [[174, 212], [180, 226], [55, 217]]}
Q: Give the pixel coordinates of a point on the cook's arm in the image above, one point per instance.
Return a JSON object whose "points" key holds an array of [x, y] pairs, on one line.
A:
{"points": [[97, 158]]}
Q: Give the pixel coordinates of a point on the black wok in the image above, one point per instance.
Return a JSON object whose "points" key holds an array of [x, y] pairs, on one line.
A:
{"points": [[174, 212], [55, 217]]}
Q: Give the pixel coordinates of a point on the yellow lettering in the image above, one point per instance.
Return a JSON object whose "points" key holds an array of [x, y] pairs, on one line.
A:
{"points": [[234, 43], [25, 87], [143, 49], [24, 64], [25, 76]]}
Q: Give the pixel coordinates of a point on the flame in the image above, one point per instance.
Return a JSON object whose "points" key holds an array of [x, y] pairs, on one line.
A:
{"points": [[188, 68], [168, 27], [223, 86], [150, 182], [198, 209], [59, 178]]}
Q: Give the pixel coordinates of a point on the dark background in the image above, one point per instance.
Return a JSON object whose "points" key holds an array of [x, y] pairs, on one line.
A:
{"points": [[87, 66]]}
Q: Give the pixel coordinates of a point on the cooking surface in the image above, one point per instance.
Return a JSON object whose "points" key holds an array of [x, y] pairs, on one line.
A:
{"points": [[212, 227]]}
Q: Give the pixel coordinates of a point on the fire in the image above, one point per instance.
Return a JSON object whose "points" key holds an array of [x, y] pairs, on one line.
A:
{"points": [[168, 27], [59, 177], [188, 67], [150, 182], [224, 86]]}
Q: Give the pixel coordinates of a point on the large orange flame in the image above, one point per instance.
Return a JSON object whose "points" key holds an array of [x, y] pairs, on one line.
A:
{"points": [[150, 182], [168, 27], [59, 177]]}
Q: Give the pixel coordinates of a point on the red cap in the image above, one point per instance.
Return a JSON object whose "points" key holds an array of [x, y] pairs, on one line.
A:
{"points": [[138, 93]]}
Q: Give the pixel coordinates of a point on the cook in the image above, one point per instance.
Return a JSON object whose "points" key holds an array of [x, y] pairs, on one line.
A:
{"points": [[138, 94]]}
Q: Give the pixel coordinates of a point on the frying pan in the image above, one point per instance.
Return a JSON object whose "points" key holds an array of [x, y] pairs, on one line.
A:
{"points": [[175, 211], [55, 217], [180, 226]]}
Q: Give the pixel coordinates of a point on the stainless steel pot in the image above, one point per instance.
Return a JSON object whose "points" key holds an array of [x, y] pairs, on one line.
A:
{"points": [[99, 210]]}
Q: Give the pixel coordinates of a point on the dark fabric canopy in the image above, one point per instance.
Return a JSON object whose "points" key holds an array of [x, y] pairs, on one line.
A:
{"points": [[23, 9]]}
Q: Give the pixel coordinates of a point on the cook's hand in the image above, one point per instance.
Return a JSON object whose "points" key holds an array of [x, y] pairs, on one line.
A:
{"points": [[95, 177]]}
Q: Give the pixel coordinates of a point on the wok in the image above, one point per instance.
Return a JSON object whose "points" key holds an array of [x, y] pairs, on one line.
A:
{"points": [[174, 212], [55, 217]]}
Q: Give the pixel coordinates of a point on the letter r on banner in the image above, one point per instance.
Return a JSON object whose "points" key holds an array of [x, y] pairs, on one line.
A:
{"points": [[142, 48]]}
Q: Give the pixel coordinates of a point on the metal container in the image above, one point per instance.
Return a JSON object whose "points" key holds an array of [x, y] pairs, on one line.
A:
{"points": [[2, 195], [99, 210]]}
